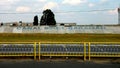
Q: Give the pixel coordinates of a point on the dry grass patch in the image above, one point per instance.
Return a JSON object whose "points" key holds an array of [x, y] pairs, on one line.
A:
{"points": [[14, 37]]}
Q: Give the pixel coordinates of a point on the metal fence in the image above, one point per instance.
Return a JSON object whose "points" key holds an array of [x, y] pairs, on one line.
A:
{"points": [[60, 49]]}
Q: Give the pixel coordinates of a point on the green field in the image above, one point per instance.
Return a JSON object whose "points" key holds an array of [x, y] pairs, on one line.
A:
{"points": [[11, 37]]}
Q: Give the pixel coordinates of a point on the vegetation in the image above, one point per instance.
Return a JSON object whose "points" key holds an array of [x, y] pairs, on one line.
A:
{"points": [[35, 23], [48, 18], [13, 37]]}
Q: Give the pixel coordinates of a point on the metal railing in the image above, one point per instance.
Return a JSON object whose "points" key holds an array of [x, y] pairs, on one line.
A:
{"points": [[88, 49]]}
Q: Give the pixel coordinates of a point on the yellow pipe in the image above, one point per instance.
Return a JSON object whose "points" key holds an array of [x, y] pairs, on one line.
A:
{"points": [[35, 51], [16, 42], [84, 51], [62, 55], [89, 50], [105, 55], [80, 42], [105, 42], [61, 42], [14, 55], [39, 50]]}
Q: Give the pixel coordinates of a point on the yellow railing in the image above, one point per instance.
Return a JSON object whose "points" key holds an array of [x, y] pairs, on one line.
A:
{"points": [[17, 54], [103, 54], [86, 53]]}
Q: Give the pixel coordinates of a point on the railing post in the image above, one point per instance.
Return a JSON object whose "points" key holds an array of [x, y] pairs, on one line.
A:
{"points": [[39, 49], [89, 50], [35, 51], [84, 51]]}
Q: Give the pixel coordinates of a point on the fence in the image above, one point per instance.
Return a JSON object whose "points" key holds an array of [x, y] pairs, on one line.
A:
{"points": [[63, 49], [97, 29]]}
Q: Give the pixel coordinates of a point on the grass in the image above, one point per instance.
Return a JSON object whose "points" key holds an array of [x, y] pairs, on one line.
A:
{"points": [[14, 37]]}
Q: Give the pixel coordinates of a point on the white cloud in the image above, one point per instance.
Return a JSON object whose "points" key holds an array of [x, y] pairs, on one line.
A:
{"points": [[103, 1], [50, 5], [113, 12], [8, 2], [23, 9], [91, 5], [42, 0], [74, 2]]}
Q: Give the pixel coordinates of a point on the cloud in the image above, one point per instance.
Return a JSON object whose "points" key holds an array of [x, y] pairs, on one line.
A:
{"points": [[42, 0], [113, 12], [23, 9], [103, 1], [74, 2], [91, 5], [50, 5], [8, 2]]}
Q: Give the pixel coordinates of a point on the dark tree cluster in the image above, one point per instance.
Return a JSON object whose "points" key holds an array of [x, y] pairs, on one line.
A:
{"points": [[35, 23], [48, 18], [1, 24]]}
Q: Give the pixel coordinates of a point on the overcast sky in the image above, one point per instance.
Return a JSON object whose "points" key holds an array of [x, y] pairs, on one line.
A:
{"points": [[66, 11]]}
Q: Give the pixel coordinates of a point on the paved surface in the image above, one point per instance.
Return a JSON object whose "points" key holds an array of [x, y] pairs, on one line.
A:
{"points": [[65, 64]]}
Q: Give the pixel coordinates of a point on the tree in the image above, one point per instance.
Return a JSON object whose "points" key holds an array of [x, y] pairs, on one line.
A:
{"points": [[48, 18], [1, 24], [35, 23]]}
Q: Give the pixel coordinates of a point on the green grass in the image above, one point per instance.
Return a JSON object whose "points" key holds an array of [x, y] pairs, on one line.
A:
{"points": [[11, 37]]}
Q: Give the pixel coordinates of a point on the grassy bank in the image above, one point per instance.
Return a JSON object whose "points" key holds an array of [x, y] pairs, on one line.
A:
{"points": [[8, 37]]}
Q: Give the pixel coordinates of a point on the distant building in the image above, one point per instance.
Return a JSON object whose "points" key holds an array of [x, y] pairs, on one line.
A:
{"points": [[66, 24], [11, 24], [31, 24]]}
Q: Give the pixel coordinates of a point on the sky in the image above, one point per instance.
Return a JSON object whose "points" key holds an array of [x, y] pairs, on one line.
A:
{"points": [[66, 11]]}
